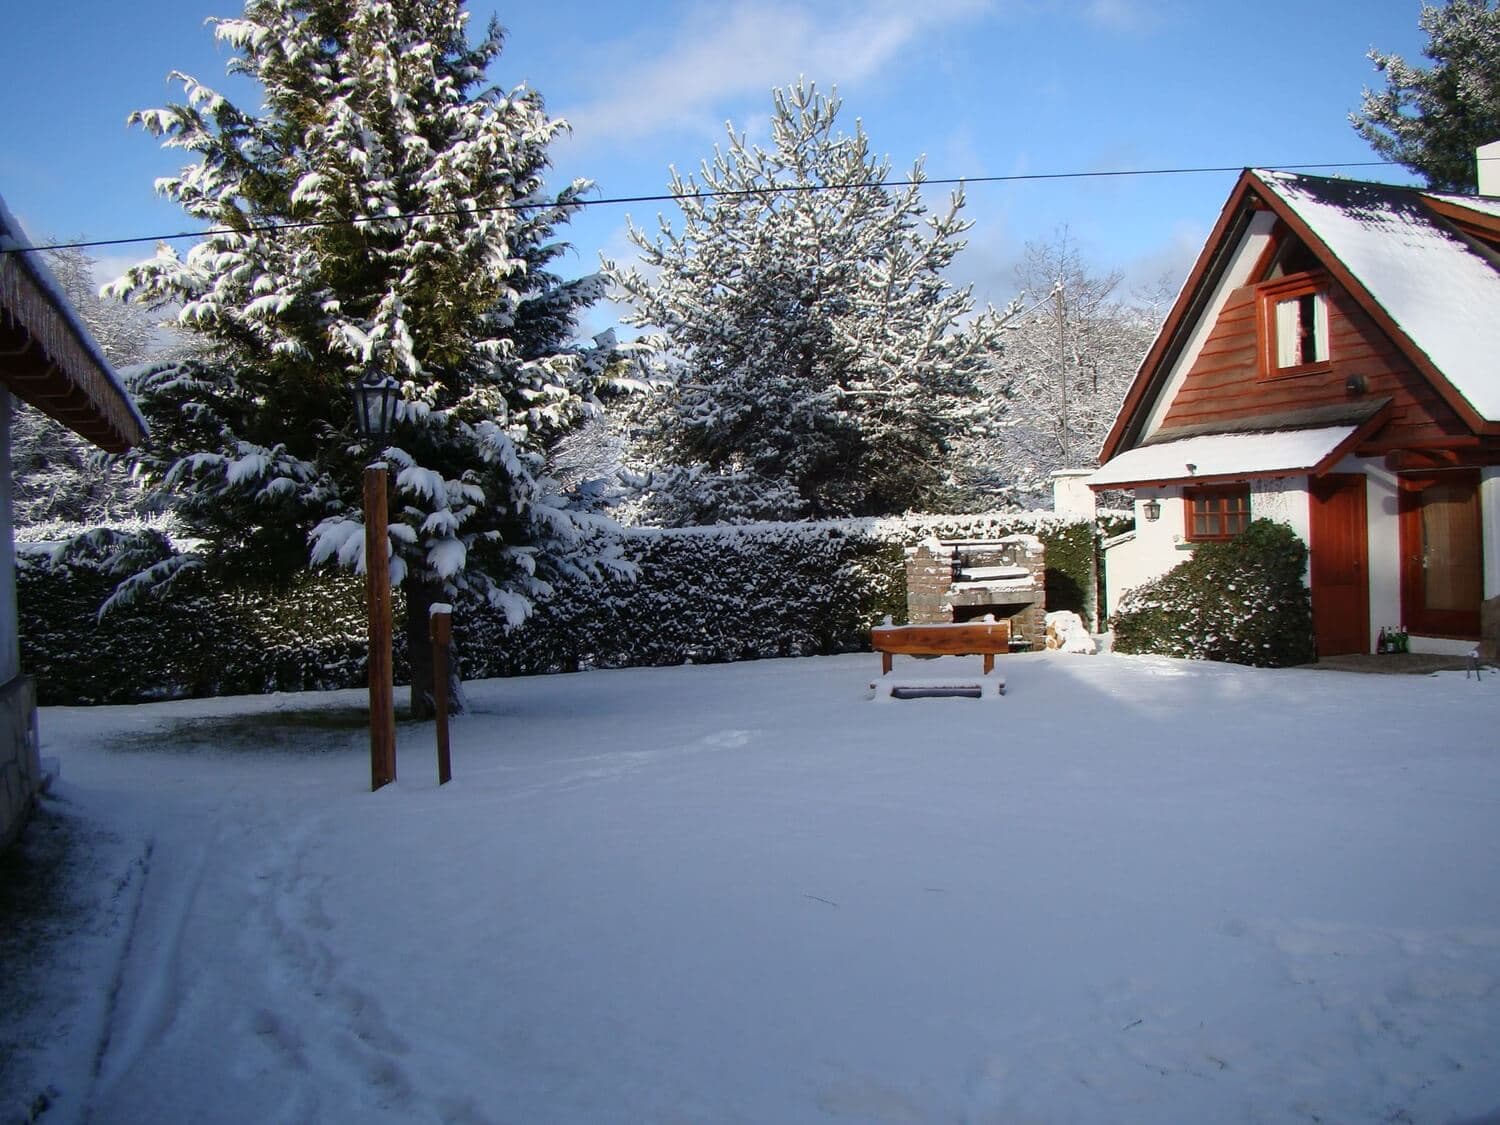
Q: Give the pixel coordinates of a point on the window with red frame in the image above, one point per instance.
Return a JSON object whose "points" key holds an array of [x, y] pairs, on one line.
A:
{"points": [[1294, 326], [1217, 513]]}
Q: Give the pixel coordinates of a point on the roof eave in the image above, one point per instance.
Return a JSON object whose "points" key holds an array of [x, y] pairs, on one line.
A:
{"points": [[53, 366], [1212, 260]]}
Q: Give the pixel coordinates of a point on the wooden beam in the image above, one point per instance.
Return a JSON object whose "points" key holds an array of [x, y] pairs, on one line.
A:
{"points": [[378, 602]]}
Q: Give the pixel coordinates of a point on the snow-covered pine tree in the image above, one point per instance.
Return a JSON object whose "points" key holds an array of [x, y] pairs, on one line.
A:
{"points": [[816, 345], [384, 213], [1049, 401], [1431, 120]]}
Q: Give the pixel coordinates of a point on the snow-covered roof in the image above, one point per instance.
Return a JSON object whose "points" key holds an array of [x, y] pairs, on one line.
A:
{"points": [[68, 375], [1436, 285], [1220, 456], [1483, 204]]}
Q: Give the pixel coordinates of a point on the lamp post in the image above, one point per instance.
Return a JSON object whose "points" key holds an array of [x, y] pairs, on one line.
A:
{"points": [[375, 400]]}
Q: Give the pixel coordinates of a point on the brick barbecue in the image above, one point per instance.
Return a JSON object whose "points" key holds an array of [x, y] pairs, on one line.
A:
{"points": [[955, 580]]}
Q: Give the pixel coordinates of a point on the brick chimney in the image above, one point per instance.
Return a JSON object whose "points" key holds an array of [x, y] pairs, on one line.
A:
{"points": [[1487, 161]]}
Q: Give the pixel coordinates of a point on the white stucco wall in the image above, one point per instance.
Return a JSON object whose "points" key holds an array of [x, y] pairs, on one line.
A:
{"points": [[1382, 543], [1284, 500], [10, 645], [1489, 503], [1072, 498], [1150, 552], [1157, 547]]}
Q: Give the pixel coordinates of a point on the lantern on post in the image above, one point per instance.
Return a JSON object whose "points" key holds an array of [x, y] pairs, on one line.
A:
{"points": [[375, 399]]}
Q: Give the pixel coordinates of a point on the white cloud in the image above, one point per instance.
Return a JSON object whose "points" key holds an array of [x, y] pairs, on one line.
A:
{"points": [[749, 48]]}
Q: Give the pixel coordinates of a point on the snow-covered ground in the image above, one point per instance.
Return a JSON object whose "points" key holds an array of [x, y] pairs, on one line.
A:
{"points": [[1131, 890]]}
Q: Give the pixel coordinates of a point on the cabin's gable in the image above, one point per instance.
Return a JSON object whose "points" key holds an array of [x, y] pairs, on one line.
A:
{"points": [[1241, 373]]}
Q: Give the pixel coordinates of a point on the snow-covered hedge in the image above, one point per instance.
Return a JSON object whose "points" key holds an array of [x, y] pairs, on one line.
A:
{"points": [[199, 641], [703, 594], [1243, 601], [742, 592]]}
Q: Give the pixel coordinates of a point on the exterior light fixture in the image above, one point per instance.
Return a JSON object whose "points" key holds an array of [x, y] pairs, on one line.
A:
{"points": [[1151, 509], [375, 398]]}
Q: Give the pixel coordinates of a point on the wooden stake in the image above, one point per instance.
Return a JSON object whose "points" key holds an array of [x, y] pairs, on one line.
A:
{"points": [[378, 604], [441, 620]]}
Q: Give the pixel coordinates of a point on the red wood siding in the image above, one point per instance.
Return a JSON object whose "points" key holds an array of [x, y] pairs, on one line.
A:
{"points": [[1224, 384]]}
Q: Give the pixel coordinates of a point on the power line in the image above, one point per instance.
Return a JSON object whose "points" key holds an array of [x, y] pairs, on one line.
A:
{"points": [[677, 197]]}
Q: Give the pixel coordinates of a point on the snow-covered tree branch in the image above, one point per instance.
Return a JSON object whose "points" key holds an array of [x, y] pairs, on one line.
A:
{"points": [[1431, 120]]}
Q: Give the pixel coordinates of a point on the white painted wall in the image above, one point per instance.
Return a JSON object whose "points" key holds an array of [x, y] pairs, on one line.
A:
{"points": [[1487, 167], [1151, 551], [1072, 498], [1489, 507], [10, 643], [1382, 543], [1284, 500]]}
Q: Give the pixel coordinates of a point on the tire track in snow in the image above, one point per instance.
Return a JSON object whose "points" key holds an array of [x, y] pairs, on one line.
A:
{"points": [[134, 882], [324, 1026], [148, 965]]}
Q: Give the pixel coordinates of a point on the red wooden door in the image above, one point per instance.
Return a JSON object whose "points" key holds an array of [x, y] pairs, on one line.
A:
{"points": [[1338, 560], [1442, 558]]}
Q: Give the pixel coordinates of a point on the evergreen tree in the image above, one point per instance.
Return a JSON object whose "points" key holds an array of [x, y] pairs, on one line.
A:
{"points": [[1049, 401], [820, 356], [384, 213], [1431, 120]]}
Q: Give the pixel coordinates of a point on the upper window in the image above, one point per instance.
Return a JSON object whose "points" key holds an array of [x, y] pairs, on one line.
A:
{"points": [[1294, 326], [1217, 513]]}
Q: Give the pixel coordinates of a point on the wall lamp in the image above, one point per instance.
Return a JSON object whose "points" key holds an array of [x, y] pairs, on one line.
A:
{"points": [[1151, 509]]}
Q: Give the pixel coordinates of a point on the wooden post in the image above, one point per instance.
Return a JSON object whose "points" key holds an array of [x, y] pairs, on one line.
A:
{"points": [[378, 603], [441, 621]]}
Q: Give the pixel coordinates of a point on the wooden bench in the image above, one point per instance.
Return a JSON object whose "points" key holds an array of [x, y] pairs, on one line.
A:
{"points": [[969, 638]]}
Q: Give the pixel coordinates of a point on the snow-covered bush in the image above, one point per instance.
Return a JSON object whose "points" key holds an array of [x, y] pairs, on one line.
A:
{"points": [[1243, 601], [201, 640]]}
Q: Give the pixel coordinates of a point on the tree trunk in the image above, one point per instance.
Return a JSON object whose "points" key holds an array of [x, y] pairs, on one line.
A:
{"points": [[420, 598]]}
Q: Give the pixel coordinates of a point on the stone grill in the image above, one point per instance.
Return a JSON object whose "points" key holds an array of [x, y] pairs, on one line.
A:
{"points": [[955, 580]]}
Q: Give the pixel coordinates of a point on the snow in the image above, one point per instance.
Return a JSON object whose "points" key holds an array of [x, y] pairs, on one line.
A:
{"points": [[1133, 889], [1440, 289], [1070, 632], [1216, 455]]}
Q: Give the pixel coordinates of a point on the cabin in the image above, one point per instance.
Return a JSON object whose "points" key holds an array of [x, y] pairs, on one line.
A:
{"points": [[48, 359], [1333, 363]]}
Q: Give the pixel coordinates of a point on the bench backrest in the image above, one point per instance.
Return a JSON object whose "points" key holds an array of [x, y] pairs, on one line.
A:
{"points": [[942, 640]]}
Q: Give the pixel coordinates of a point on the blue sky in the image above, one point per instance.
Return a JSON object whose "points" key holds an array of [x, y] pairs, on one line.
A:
{"points": [[978, 87]]}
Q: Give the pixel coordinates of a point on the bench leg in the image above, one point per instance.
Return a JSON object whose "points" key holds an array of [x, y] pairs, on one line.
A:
{"points": [[885, 664], [989, 663]]}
